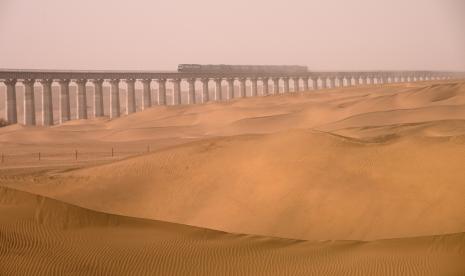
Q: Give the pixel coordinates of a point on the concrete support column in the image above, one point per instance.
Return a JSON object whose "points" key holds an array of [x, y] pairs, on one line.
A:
{"points": [[341, 82], [218, 89], [315, 84], [254, 87], [286, 84], [98, 97], [230, 89], [29, 103], [65, 101], [82, 99], [332, 82], [114, 99], [276, 86], [11, 109], [265, 87], [47, 102], [296, 81], [146, 94], [348, 81], [205, 90], [131, 98], [191, 91], [243, 87], [161, 91], [324, 82], [364, 80], [176, 91], [305, 80]]}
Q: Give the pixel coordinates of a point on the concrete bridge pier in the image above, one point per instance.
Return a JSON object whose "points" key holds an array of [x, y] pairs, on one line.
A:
{"points": [[218, 89], [176, 91], [382, 79], [146, 94], [82, 98], [286, 85], [364, 80], [369, 79], [47, 103], [348, 81], [296, 81], [29, 102], [205, 90], [114, 99], [276, 86], [332, 82], [191, 92], [265, 87], [98, 97], [305, 80], [242, 87], [254, 91], [315, 83], [324, 82], [341, 82], [131, 98], [230, 88], [161, 91], [65, 104], [11, 110]]}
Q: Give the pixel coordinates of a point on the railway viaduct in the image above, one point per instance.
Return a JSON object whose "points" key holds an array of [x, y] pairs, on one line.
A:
{"points": [[308, 81]]}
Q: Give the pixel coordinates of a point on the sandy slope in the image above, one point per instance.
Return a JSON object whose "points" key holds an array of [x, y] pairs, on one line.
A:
{"points": [[354, 164], [161, 127], [297, 184], [40, 236]]}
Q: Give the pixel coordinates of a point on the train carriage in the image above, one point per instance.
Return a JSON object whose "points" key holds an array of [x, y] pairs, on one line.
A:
{"points": [[223, 68]]}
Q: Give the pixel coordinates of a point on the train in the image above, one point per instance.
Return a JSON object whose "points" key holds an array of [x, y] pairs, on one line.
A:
{"points": [[223, 68]]}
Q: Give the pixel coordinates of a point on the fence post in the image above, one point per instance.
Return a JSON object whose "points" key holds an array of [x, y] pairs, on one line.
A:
{"points": [[3, 158], [76, 154], [39, 155], [112, 152]]}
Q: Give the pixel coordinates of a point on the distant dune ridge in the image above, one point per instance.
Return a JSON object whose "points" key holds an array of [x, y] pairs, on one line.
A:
{"points": [[381, 168]]}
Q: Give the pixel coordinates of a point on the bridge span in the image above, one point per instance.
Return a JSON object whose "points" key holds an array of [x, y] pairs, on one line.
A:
{"points": [[306, 81]]}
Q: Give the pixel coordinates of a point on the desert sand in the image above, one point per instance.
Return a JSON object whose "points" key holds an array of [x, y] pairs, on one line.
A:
{"points": [[354, 181]]}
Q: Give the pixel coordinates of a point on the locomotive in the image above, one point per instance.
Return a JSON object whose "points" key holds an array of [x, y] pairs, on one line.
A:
{"points": [[223, 68]]}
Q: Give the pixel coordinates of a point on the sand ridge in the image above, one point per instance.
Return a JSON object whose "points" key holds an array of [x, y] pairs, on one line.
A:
{"points": [[282, 185]]}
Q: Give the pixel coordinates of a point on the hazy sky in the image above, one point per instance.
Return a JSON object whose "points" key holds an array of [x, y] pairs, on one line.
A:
{"points": [[152, 35]]}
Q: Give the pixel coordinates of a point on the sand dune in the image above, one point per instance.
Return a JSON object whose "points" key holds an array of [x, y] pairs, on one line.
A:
{"points": [[361, 164], [41, 236], [297, 184]]}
